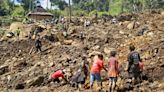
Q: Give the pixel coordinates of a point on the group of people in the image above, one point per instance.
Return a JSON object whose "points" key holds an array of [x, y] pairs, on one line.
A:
{"points": [[135, 68]]}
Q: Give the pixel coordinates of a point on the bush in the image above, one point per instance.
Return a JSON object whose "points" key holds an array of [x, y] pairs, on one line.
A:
{"points": [[56, 12], [5, 21], [79, 13], [103, 13], [18, 12], [2, 32], [92, 13]]}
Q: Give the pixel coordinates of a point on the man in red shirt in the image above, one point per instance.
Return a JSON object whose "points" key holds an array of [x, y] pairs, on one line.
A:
{"points": [[96, 68], [58, 74]]}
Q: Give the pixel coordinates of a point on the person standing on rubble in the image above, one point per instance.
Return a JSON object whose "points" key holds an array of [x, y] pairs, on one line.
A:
{"points": [[79, 78], [38, 44], [133, 64], [113, 71], [141, 65], [18, 32], [98, 65]]}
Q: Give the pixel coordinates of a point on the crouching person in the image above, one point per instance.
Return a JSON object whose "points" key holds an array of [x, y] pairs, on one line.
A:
{"points": [[55, 77]]}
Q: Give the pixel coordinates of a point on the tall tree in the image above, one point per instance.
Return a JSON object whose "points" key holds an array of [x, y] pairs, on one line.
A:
{"points": [[62, 4], [4, 7], [28, 4]]}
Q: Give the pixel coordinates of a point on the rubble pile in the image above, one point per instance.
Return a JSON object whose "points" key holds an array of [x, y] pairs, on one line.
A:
{"points": [[23, 69]]}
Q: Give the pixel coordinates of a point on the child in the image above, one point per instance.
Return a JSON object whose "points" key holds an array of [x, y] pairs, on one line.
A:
{"points": [[98, 65], [113, 71]]}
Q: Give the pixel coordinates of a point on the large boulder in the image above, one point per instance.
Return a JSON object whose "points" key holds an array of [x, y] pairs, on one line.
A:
{"points": [[68, 42], [14, 26], [37, 81], [162, 13], [108, 50], [131, 25]]}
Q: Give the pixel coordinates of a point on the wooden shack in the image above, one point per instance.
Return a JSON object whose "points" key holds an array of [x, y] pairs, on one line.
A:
{"points": [[40, 13]]}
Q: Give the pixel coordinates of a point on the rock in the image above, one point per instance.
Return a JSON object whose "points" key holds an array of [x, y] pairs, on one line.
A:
{"points": [[68, 42], [151, 34], [120, 23], [10, 34], [51, 64], [94, 53], [15, 25], [3, 69], [121, 32], [131, 25], [108, 50], [162, 13], [161, 85], [19, 86], [96, 47], [125, 22], [4, 38], [142, 30], [37, 81]]}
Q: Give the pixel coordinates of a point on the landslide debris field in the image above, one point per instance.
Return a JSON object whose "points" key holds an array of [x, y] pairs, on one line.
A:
{"points": [[22, 70]]}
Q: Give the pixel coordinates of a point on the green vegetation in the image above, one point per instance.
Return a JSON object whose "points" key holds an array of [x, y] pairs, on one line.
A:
{"points": [[18, 11]]}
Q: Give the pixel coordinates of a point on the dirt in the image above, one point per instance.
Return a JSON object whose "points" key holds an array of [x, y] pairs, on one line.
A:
{"points": [[21, 70]]}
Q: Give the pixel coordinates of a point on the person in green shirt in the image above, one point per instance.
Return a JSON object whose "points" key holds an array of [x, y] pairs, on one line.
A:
{"points": [[18, 32]]}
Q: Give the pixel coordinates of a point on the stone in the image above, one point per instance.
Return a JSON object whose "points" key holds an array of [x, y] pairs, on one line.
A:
{"points": [[94, 53], [68, 42], [4, 69], [9, 34], [131, 25], [37, 81], [20, 86], [161, 85], [151, 34], [108, 50], [96, 47], [162, 13], [51, 64]]}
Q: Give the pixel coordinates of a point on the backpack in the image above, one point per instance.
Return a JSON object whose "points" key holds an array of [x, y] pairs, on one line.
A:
{"points": [[135, 58]]}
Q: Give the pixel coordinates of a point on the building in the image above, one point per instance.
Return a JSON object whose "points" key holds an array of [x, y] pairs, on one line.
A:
{"points": [[39, 13]]}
